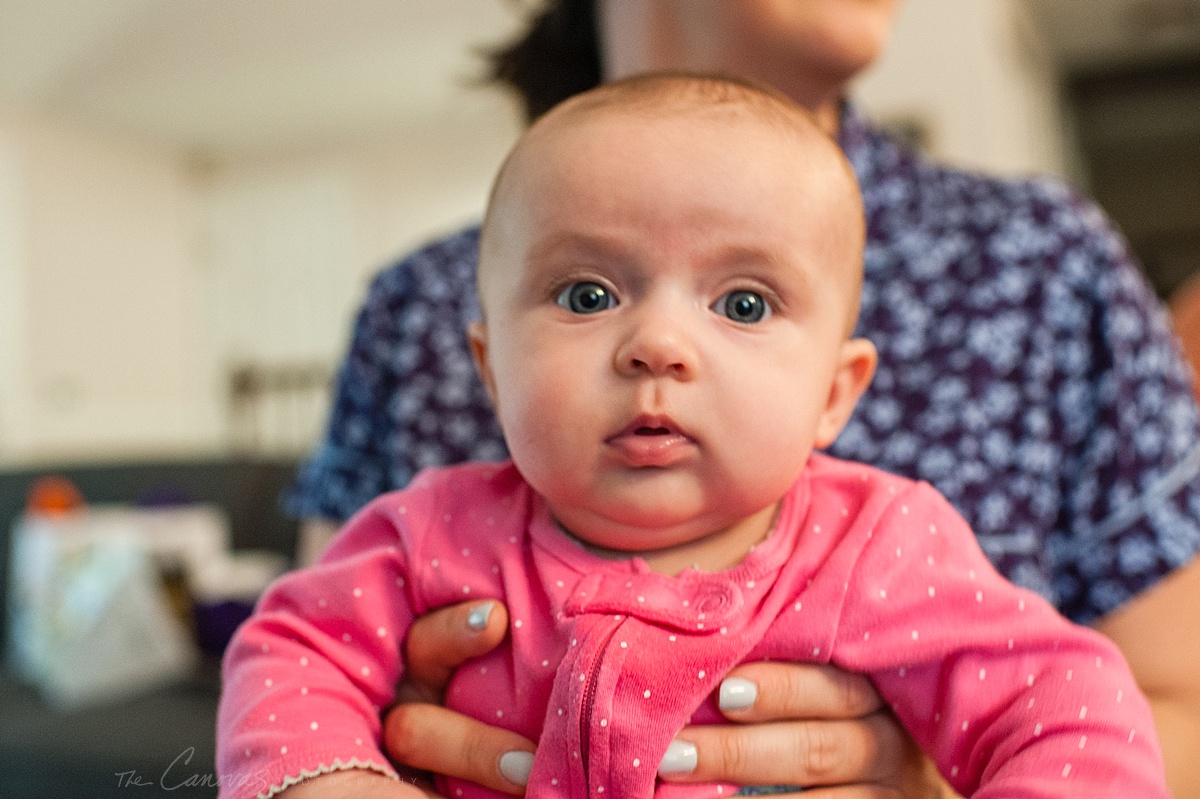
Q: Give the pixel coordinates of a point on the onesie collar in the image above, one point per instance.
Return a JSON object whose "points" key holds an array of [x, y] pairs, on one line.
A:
{"points": [[692, 601]]}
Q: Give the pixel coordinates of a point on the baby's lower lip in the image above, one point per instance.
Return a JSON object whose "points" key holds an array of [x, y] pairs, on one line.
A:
{"points": [[664, 448]]}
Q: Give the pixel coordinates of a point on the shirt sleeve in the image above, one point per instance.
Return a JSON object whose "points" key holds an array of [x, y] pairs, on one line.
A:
{"points": [[306, 678], [1008, 697], [407, 394], [1125, 404]]}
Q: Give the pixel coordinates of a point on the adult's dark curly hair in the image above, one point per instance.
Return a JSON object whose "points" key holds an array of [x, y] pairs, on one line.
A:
{"points": [[558, 56]]}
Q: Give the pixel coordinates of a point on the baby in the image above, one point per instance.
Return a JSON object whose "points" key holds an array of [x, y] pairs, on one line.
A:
{"points": [[669, 277]]}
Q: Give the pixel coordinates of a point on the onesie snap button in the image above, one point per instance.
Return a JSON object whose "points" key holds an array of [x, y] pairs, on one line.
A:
{"points": [[689, 605], [712, 603]]}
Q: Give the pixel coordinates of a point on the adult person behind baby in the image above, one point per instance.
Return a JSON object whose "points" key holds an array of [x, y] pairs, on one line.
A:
{"points": [[1024, 370]]}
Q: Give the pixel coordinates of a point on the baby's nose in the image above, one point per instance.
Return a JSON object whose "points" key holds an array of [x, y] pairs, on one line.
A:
{"points": [[658, 345]]}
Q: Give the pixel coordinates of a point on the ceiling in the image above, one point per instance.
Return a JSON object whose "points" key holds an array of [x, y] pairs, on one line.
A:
{"points": [[229, 76], [232, 76]]}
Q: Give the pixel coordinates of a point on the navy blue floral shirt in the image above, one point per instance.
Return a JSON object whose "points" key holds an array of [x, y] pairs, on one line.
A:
{"points": [[1026, 371]]}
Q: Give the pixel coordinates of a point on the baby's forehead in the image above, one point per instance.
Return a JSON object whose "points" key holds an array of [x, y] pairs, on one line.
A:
{"points": [[617, 119], [674, 98], [745, 134]]}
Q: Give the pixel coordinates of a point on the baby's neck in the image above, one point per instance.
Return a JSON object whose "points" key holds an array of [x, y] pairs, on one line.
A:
{"points": [[715, 552]]}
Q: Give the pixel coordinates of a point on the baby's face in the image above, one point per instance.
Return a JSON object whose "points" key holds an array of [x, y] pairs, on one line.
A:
{"points": [[666, 305]]}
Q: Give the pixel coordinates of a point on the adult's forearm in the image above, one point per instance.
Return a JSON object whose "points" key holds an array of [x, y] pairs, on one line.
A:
{"points": [[1157, 633], [1178, 721]]}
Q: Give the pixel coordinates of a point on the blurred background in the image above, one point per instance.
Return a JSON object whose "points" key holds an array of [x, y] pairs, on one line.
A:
{"points": [[194, 194]]}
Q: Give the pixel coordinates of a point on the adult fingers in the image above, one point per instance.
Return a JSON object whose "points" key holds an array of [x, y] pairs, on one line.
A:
{"points": [[804, 753], [422, 737], [434, 739], [757, 692], [440, 641]]}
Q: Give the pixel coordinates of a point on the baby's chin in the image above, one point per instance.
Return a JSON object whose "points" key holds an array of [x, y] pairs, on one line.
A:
{"points": [[698, 544], [630, 533]]}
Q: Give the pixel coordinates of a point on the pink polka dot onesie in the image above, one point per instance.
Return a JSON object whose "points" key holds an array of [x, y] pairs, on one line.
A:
{"points": [[605, 660]]}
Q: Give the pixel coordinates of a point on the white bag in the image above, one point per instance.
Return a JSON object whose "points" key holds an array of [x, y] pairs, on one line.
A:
{"points": [[88, 619]]}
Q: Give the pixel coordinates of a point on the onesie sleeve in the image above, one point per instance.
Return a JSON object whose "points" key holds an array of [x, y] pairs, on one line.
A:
{"points": [[305, 679], [1009, 698]]}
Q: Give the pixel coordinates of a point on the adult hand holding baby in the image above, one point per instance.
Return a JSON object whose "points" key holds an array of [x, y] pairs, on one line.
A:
{"points": [[423, 736], [797, 724]]}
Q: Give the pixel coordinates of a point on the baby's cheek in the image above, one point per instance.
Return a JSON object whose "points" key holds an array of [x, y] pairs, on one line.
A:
{"points": [[544, 439]]}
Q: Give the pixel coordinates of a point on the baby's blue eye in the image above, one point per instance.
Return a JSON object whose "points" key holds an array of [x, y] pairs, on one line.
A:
{"points": [[586, 297], [743, 306]]}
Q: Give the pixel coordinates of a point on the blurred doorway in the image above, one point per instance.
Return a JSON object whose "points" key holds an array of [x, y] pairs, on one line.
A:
{"points": [[1138, 131]]}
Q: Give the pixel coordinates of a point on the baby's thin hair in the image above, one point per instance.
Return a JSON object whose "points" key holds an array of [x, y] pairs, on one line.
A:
{"points": [[664, 91]]}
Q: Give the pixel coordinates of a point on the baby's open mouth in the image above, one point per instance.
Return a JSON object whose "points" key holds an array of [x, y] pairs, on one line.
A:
{"points": [[652, 431], [652, 441]]}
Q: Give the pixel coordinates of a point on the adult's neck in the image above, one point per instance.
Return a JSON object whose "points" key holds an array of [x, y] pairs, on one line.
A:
{"points": [[820, 94], [639, 36]]}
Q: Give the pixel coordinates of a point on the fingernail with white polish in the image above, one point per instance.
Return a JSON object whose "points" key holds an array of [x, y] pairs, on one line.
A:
{"points": [[737, 694], [679, 759], [477, 619], [515, 766]]}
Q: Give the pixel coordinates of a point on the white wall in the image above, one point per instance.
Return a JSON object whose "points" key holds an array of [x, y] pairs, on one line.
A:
{"points": [[975, 73], [14, 383], [293, 240], [102, 341], [133, 280], [291, 243]]}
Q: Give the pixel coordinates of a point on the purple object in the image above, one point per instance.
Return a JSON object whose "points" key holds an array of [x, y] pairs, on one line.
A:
{"points": [[215, 623]]}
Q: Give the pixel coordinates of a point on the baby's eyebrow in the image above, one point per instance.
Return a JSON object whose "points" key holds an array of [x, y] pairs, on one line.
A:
{"points": [[746, 255], [753, 261], [575, 244]]}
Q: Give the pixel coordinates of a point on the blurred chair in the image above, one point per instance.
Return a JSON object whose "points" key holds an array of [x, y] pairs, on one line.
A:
{"points": [[278, 408]]}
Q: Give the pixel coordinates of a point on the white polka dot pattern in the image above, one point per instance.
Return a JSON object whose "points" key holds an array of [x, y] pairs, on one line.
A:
{"points": [[622, 657]]}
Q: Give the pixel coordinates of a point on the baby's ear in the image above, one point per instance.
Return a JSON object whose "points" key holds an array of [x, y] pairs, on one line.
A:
{"points": [[856, 367], [477, 337]]}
